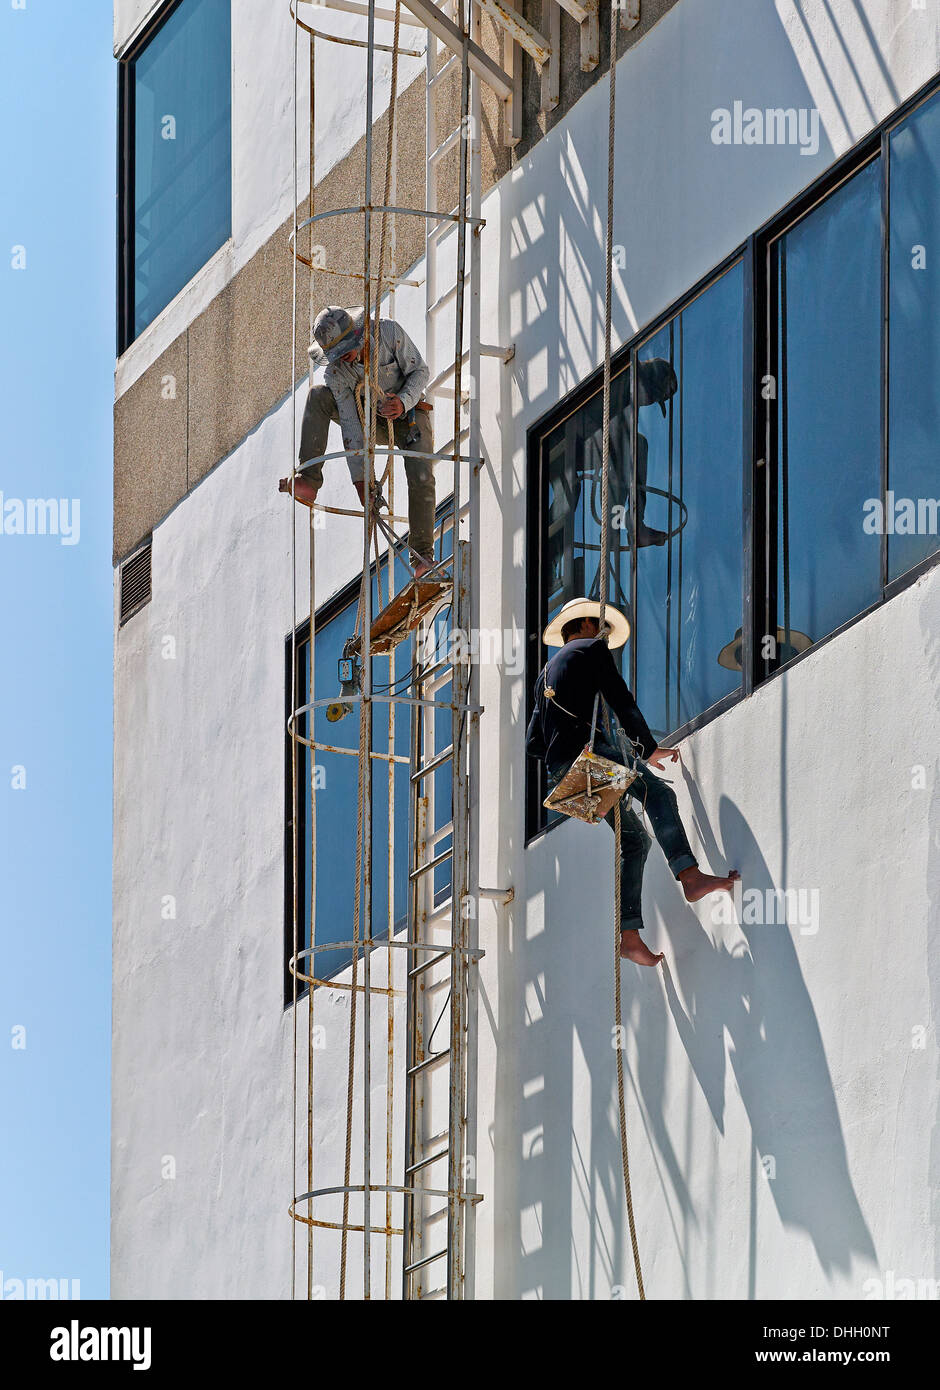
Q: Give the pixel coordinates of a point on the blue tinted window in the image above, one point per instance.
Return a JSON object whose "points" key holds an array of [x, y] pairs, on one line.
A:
{"points": [[828, 285], [336, 792], [180, 93], [335, 781], [570, 549], [689, 573], [914, 327]]}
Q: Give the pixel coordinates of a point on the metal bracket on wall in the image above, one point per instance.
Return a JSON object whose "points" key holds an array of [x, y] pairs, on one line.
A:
{"points": [[629, 14], [518, 28], [437, 23], [551, 23], [512, 62], [590, 35]]}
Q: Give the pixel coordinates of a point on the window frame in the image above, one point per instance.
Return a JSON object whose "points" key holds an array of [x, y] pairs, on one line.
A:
{"points": [[624, 358], [127, 174], [331, 608], [293, 795], [759, 451]]}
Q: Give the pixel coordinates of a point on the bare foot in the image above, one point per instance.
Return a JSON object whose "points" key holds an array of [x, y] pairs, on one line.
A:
{"points": [[304, 490], [697, 885], [422, 566], [632, 947]]}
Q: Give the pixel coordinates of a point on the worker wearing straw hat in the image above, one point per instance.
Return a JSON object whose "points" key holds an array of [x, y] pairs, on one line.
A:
{"points": [[561, 727]]}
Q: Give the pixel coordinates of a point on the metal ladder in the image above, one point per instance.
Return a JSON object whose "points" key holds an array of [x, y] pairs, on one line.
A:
{"points": [[439, 1043], [441, 983]]}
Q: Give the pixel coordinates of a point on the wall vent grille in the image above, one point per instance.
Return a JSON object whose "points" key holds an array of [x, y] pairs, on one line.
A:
{"points": [[135, 582]]}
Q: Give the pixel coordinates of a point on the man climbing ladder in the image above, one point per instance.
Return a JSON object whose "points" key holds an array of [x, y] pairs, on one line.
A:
{"points": [[561, 727], [402, 376]]}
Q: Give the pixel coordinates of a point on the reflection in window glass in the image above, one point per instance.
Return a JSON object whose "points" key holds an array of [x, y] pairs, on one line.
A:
{"points": [[914, 370], [570, 551], [337, 792], [336, 782], [182, 105], [573, 456], [689, 566], [828, 282]]}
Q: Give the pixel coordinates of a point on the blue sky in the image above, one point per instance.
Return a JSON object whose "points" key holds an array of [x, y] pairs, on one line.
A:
{"points": [[57, 95]]}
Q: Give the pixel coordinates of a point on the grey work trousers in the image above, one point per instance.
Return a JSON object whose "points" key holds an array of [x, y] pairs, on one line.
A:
{"points": [[321, 409]]}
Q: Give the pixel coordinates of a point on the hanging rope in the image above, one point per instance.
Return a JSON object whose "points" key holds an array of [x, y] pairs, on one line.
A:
{"points": [[365, 713], [605, 581], [350, 1075]]}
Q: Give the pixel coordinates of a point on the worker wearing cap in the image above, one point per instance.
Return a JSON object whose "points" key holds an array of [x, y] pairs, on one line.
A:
{"points": [[560, 729], [402, 375]]}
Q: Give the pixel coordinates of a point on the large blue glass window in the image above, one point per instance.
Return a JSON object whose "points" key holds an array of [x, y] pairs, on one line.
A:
{"points": [[689, 585], [323, 785], [828, 293], [177, 162], [568, 517], [685, 471], [333, 784]]}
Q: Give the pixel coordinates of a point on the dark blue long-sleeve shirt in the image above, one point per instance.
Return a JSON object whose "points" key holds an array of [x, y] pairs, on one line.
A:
{"points": [[561, 726]]}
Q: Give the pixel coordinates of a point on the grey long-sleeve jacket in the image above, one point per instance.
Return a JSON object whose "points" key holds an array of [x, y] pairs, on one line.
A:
{"points": [[402, 371]]}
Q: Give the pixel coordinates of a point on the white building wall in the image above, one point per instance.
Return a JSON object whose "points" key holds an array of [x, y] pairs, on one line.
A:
{"points": [[757, 1043]]}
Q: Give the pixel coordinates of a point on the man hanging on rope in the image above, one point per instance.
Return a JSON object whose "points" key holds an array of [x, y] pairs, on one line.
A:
{"points": [[560, 728], [402, 376]]}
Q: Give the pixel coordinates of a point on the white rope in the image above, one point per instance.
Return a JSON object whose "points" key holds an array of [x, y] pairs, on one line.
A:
{"points": [[605, 579]]}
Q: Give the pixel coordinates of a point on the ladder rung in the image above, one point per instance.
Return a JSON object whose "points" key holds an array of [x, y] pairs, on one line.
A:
{"points": [[439, 228], [445, 667], [442, 911], [426, 1162], [464, 434], [432, 81], [441, 300], [446, 144], [428, 1259], [441, 858], [442, 983], [428, 1062], [448, 371], [434, 764], [447, 829], [435, 684], [420, 969]]}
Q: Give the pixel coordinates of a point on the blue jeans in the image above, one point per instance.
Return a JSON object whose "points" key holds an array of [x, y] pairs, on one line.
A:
{"points": [[659, 801]]}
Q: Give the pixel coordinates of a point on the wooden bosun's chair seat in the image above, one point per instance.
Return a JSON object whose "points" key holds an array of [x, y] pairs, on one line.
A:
{"points": [[590, 787], [400, 617]]}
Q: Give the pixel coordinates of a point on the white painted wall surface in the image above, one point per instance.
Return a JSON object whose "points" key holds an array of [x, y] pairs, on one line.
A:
{"points": [[759, 1042]]}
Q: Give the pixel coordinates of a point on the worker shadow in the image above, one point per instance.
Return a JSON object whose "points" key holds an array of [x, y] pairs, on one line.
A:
{"points": [[755, 993]]}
